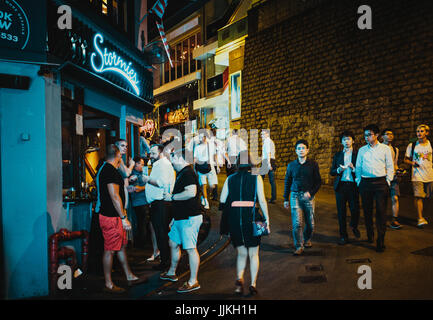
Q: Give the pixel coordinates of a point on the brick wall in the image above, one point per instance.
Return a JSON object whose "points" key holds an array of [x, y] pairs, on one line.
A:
{"points": [[315, 74]]}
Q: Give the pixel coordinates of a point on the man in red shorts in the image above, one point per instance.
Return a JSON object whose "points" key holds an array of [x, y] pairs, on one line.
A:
{"points": [[112, 219]]}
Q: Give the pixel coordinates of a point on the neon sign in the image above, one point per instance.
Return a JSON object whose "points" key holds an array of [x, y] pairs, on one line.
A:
{"points": [[111, 62], [149, 127]]}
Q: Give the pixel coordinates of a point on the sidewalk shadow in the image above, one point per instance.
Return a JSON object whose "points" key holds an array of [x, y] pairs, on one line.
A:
{"points": [[322, 238], [284, 248]]}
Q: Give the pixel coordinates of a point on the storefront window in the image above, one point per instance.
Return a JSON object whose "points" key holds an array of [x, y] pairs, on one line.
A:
{"points": [[185, 57], [83, 146], [192, 62], [179, 60], [182, 58], [198, 41], [167, 72], [173, 70]]}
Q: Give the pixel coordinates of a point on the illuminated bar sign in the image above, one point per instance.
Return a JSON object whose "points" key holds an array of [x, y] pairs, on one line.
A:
{"points": [[103, 61]]}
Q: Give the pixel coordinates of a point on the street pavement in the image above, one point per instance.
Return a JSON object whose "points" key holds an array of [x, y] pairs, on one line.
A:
{"points": [[326, 271]]}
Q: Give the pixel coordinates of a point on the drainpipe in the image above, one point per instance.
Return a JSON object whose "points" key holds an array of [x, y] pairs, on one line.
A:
{"points": [[66, 253]]}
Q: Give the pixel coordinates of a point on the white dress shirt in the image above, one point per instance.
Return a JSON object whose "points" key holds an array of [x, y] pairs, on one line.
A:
{"points": [[202, 152], [268, 147], [347, 174], [235, 145], [163, 173], [374, 162]]}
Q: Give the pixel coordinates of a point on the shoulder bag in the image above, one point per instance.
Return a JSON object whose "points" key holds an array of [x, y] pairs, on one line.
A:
{"points": [[260, 227]]}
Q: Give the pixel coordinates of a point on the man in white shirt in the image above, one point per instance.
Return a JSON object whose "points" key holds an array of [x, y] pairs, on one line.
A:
{"points": [[205, 160], [374, 172], [422, 169], [268, 162], [160, 180], [220, 156], [234, 146]]}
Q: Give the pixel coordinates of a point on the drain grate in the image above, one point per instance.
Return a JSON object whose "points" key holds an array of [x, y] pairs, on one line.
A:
{"points": [[314, 267], [424, 252], [312, 279], [362, 260]]}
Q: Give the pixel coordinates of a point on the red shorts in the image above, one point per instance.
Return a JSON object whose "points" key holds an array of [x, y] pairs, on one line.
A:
{"points": [[113, 232]]}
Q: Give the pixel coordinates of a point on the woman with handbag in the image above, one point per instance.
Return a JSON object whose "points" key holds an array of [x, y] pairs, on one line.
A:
{"points": [[238, 200]]}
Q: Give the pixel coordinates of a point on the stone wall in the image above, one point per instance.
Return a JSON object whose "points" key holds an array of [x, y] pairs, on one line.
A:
{"points": [[315, 74]]}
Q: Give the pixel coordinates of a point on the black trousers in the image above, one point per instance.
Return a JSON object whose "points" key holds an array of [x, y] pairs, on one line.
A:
{"points": [[347, 193], [374, 191], [160, 218], [232, 168], [140, 237]]}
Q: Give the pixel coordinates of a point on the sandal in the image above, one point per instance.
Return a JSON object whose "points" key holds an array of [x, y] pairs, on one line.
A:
{"points": [[239, 287], [152, 258], [115, 289]]}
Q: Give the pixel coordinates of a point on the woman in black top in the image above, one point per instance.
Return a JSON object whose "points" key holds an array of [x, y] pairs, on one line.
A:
{"points": [[238, 217]]}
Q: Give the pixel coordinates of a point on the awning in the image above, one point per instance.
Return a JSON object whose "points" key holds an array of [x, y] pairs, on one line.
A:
{"points": [[221, 100]]}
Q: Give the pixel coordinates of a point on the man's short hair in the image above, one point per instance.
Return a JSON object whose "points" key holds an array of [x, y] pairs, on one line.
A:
{"points": [[302, 141], [111, 152], [372, 127], [137, 159], [117, 143], [426, 127], [385, 131], [347, 133]]}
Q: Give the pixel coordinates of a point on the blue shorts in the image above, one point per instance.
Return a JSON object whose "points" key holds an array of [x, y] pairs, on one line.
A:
{"points": [[185, 232]]}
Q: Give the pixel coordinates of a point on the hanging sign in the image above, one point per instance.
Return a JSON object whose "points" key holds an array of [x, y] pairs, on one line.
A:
{"points": [[103, 61]]}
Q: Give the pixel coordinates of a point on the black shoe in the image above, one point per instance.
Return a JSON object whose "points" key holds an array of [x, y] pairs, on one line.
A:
{"points": [[271, 201], [161, 267], [370, 238], [356, 233], [342, 241], [380, 246], [253, 290]]}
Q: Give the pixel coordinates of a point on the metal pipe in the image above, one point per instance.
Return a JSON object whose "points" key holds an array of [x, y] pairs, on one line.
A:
{"points": [[55, 253]]}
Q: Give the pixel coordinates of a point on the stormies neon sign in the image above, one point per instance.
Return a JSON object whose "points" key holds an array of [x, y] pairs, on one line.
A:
{"points": [[111, 62]]}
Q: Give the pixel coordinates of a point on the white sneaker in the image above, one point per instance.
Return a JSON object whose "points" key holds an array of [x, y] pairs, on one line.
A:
{"points": [[206, 204], [422, 222]]}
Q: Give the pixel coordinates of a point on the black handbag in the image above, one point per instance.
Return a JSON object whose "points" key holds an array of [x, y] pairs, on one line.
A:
{"points": [[260, 227], [204, 167]]}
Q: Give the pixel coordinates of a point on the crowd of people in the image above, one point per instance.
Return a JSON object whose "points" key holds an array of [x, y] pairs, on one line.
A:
{"points": [[176, 191]]}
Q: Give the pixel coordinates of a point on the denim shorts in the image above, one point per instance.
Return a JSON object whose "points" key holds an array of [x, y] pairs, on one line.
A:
{"points": [[185, 232]]}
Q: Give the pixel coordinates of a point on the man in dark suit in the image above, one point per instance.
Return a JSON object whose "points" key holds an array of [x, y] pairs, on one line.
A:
{"points": [[346, 190]]}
